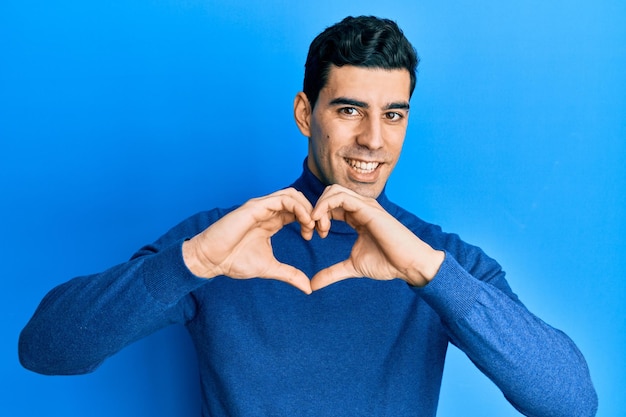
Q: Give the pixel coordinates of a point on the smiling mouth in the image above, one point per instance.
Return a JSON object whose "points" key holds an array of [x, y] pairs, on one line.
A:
{"points": [[362, 167]]}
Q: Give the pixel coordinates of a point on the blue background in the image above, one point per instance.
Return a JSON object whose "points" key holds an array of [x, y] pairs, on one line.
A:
{"points": [[118, 119]]}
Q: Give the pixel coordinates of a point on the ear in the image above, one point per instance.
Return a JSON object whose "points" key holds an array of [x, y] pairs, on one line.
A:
{"points": [[302, 113]]}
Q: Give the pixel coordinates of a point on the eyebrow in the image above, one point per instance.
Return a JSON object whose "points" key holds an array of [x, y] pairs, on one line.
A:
{"points": [[344, 101]]}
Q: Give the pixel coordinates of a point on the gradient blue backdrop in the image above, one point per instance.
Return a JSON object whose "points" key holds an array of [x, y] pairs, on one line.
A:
{"points": [[118, 119]]}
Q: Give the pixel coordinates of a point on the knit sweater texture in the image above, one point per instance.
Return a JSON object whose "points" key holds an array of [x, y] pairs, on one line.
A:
{"points": [[359, 347]]}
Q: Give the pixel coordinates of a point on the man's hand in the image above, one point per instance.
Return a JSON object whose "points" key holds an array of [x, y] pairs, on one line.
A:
{"points": [[239, 246], [385, 248]]}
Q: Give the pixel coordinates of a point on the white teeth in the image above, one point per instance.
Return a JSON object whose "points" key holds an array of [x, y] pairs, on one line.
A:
{"points": [[362, 166]]}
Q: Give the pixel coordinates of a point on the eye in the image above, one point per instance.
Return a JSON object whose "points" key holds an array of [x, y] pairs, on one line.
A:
{"points": [[394, 116], [349, 111]]}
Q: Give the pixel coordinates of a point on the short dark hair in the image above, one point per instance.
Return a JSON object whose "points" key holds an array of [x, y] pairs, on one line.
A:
{"points": [[364, 41]]}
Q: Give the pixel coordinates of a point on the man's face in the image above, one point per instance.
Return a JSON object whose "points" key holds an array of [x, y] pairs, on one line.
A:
{"points": [[357, 127]]}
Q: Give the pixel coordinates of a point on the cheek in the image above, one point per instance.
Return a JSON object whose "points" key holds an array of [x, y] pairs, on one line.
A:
{"points": [[397, 146], [395, 139], [320, 135], [340, 136], [323, 142]]}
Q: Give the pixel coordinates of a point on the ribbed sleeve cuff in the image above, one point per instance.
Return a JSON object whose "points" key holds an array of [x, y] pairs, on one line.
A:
{"points": [[167, 277], [452, 292]]}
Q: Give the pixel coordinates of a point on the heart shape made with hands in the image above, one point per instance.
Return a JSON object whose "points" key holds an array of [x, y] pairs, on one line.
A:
{"points": [[239, 244]]}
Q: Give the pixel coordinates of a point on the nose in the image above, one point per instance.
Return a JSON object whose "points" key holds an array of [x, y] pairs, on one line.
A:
{"points": [[371, 133]]}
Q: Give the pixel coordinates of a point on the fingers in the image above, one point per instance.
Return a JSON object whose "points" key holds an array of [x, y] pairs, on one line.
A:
{"points": [[292, 206], [340, 203], [291, 275], [322, 214], [332, 274]]}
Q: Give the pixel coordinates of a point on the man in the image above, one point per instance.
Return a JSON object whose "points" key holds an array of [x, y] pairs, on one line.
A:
{"points": [[365, 335]]}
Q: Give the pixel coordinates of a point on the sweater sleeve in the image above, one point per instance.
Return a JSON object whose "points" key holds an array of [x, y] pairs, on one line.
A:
{"points": [[538, 368], [82, 322]]}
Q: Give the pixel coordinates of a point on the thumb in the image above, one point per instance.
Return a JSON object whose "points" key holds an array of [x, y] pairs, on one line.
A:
{"points": [[291, 275], [334, 273]]}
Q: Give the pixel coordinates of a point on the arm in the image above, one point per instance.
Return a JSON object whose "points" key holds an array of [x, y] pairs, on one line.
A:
{"points": [[85, 320], [82, 322], [538, 368]]}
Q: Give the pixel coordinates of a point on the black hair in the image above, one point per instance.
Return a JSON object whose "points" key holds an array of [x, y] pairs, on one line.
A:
{"points": [[364, 41]]}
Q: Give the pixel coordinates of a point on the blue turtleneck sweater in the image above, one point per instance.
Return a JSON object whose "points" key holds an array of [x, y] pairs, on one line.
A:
{"points": [[359, 347]]}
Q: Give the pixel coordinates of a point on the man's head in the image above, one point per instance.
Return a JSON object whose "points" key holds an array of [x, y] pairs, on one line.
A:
{"points": [[359, 77]]}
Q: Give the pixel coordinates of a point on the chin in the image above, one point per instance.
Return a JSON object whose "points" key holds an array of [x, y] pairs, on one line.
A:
{"points": [[370, 191]]}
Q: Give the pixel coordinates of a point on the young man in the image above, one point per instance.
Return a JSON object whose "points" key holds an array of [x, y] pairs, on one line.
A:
{"points": [[375, 293]]}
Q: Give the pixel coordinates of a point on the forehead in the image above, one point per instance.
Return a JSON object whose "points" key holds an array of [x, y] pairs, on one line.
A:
{"points": [[370, 84]]}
